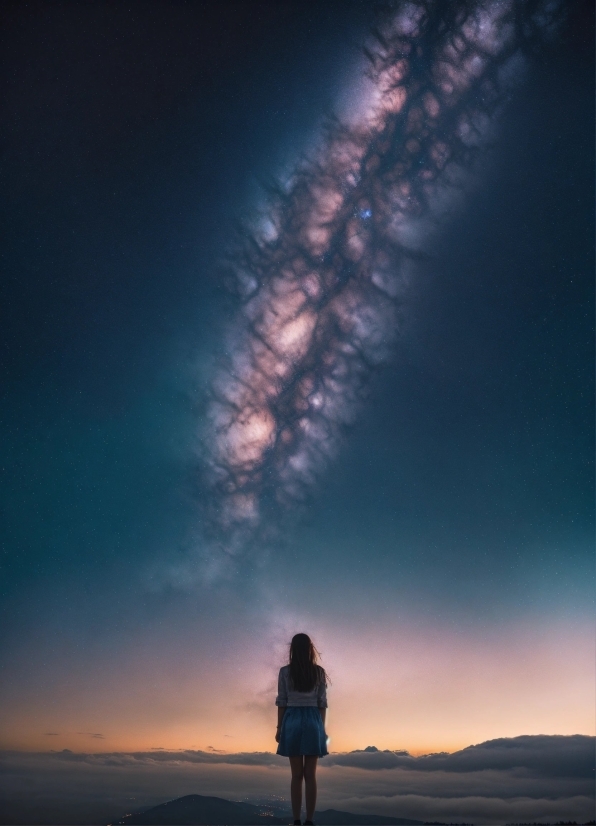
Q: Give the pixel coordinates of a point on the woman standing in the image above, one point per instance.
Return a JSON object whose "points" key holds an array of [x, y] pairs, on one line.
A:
{"points": [[301, 706]]}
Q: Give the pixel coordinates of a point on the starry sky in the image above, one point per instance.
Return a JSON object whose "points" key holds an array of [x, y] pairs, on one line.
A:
{"points": [[443, 558]]}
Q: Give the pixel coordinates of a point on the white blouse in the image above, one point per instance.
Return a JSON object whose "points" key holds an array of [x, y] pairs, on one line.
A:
{"points": [[287, 696]]}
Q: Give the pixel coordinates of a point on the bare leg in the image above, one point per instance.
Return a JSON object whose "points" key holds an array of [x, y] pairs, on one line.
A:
{"points": [[310, 785], [297, 766]]}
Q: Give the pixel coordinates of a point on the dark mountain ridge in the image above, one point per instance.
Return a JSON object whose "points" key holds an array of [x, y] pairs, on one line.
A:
{"points": [[198, 810]]}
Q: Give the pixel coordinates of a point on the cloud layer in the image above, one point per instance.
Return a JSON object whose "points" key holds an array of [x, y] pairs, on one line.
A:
{"points": [[544, 778]]}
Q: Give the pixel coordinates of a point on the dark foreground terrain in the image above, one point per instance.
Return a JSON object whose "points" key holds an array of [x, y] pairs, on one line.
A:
{"points": [[198, 810]]}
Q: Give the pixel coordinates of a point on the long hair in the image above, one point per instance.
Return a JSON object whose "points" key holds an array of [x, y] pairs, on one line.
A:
{"points": [[305, 673]]}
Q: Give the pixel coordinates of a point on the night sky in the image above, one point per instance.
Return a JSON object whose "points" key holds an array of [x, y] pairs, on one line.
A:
{"points": [[442, 559]]}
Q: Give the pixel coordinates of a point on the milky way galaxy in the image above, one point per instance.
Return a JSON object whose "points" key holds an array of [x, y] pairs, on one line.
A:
{"points": [[321, 284]]}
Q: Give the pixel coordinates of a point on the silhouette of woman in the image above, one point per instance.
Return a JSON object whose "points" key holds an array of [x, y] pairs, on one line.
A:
{"points": [[301, 706]]}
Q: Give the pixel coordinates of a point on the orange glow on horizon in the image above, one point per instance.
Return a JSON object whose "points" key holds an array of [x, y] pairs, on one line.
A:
{"points": [[393, 688]]}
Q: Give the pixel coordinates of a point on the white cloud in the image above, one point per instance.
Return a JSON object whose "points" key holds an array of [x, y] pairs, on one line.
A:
{"points": [[541, 778]]}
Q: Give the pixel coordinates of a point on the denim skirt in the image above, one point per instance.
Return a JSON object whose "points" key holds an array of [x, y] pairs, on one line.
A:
{"points": [[302, 732]]}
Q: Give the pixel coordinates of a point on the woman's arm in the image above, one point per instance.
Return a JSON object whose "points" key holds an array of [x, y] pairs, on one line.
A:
{"points": [[322, 697], [281, 710]]}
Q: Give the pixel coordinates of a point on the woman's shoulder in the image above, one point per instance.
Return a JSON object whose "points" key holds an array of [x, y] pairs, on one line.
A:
{"points": [[322, 675], [285, 669]]}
